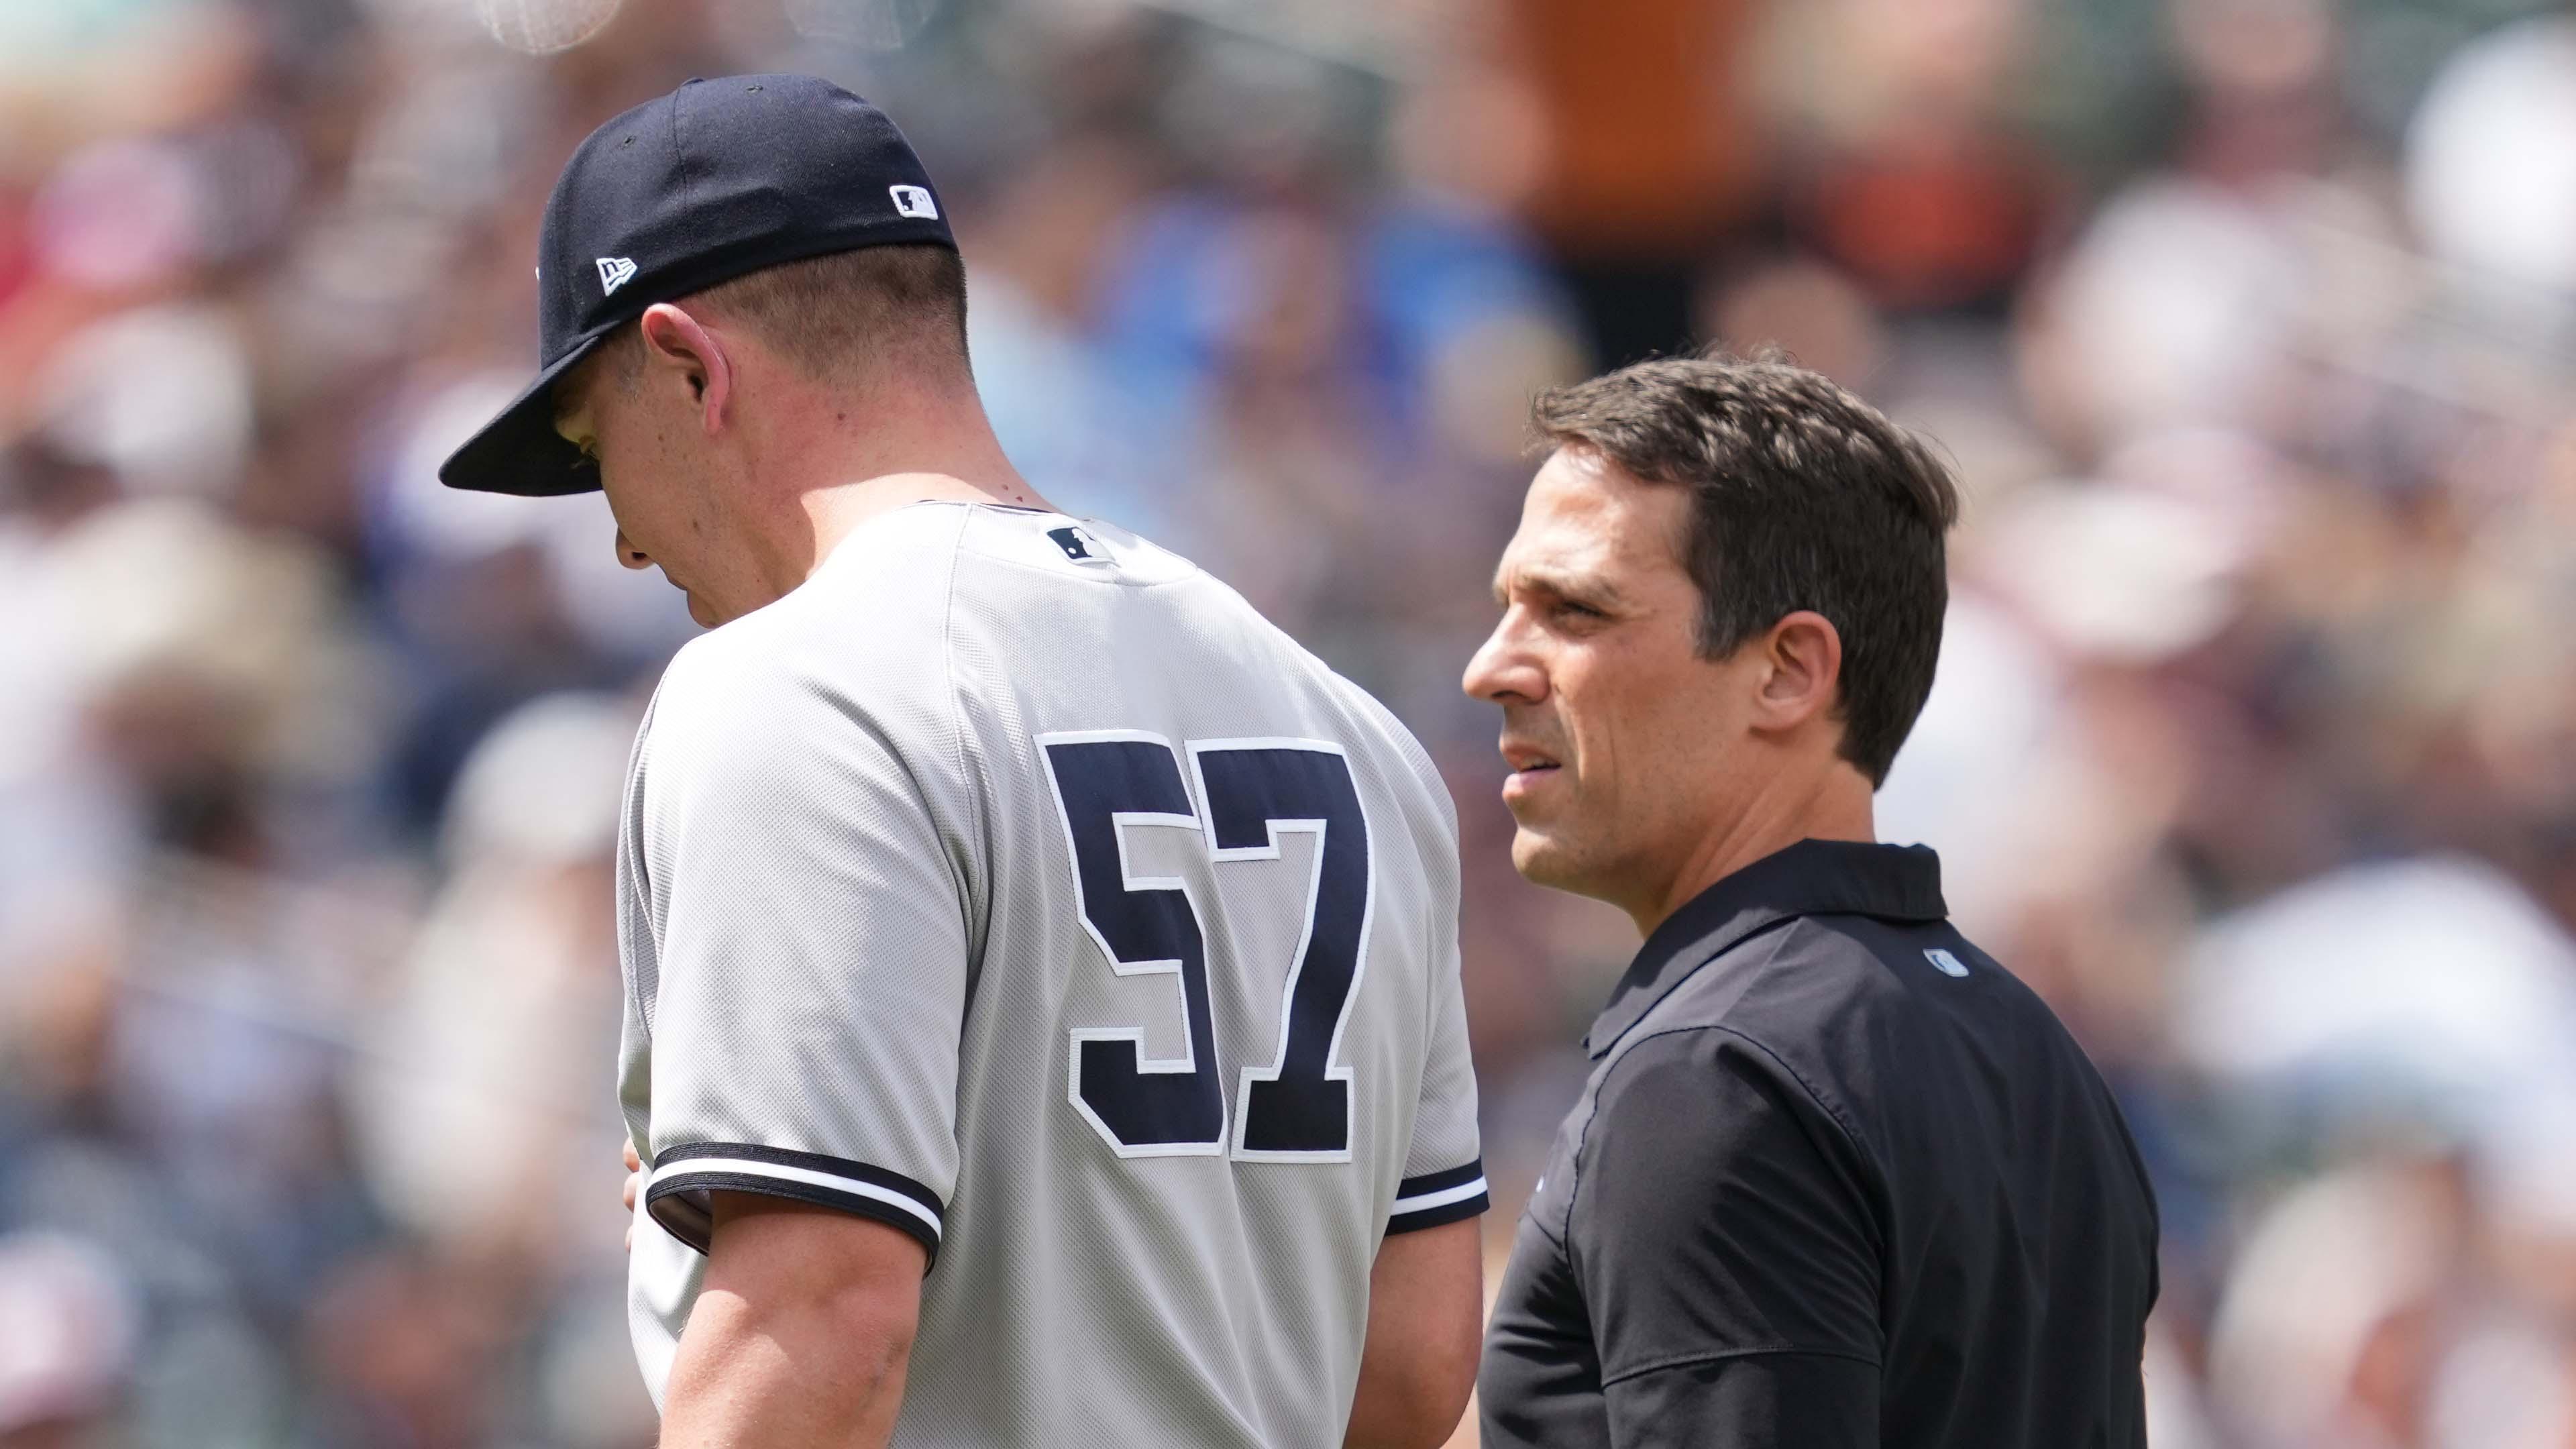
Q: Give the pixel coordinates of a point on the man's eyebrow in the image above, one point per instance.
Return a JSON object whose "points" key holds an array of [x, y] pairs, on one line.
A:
{"points": [[1544, 580]]}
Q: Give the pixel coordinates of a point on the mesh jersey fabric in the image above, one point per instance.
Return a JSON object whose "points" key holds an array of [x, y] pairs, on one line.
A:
{"points": [[908, 879]]}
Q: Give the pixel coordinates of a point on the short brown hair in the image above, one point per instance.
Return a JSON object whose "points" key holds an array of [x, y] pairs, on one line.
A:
{"points": [[902, 305], [1802, 497]]}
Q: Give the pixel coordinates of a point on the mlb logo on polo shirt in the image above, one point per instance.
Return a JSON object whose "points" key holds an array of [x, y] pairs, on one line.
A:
{"points": [[1945, 963], [913, 201]]}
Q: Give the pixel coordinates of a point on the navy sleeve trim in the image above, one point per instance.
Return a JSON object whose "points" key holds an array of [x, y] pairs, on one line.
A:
{"points": [[1429, 1182], [1435, 1198], [683, 1177], [763, 1157]]}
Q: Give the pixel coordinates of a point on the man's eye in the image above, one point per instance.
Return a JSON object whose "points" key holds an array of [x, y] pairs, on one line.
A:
{"points": [[1569, 608]]}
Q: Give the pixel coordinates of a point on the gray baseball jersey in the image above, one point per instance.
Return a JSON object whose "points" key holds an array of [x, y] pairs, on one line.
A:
{"points": [[1015, 884]]}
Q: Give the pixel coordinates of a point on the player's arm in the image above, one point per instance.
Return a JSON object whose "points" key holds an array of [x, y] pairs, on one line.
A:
{"points": [[804, 1022], [801, 1334], [1426, 1302], [1426, 1288]]}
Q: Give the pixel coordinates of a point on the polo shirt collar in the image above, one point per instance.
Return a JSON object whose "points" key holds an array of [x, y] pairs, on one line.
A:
{"points": [[1810, 878]]}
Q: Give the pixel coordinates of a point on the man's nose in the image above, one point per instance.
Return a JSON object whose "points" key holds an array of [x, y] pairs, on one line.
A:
{"points": [[629, 555], [1503, 671]]}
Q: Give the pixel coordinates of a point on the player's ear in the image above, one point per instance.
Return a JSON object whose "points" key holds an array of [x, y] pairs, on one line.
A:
{"points": [[682, 349], [1801, 669]]}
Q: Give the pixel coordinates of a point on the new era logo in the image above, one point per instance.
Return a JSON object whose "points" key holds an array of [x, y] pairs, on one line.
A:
{"points": [[913, 201], [614, 272]]}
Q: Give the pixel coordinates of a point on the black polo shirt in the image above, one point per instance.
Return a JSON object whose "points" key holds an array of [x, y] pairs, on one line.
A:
{"points": [[1837, 1180]]}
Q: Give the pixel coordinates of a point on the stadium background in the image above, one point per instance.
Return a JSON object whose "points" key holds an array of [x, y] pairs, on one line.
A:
{"points": [[2250, 323]]}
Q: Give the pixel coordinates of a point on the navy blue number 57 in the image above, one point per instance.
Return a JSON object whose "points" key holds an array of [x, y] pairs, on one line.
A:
{"points": [[1296, 1107]]}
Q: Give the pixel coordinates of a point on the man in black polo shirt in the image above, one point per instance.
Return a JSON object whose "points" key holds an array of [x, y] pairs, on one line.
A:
{"points": [[1837, 1178]]}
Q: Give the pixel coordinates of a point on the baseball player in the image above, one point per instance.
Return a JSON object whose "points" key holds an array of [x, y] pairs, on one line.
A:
{"points": [[1042, 1000]]}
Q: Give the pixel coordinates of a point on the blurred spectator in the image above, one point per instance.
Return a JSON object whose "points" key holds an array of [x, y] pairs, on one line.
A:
{"points": [[492, 1030], [66, 1342], [1648, 152]]}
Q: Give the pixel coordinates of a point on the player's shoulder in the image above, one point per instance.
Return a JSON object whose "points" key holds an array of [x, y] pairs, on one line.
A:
{"points": [[841, 657], [1064, 549], [1397, 743], [882, 583], [875, 603]]}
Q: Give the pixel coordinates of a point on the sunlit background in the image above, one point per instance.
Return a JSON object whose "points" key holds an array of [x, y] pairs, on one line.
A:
{"points": [[2250, 324]]}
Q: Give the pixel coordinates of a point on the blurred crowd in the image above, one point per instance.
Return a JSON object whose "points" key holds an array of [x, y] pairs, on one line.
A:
{"points": [[2249, 324]]}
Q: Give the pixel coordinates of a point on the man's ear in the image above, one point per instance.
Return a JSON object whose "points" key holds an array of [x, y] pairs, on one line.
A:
{"points": [[1801, 678], [685, 350]]}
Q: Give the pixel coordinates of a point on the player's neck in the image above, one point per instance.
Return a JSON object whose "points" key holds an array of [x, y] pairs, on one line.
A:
{"points": [[834, 510], [836, 463]]}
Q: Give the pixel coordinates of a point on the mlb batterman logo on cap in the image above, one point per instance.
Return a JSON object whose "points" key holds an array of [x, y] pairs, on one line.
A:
{"points": [[716, 179]]}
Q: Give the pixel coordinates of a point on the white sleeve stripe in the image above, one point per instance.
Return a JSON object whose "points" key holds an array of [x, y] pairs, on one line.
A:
{"points": [[1442, 1198], [676, 1172]]}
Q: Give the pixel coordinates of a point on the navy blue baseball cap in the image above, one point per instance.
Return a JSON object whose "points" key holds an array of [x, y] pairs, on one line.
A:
{"points": [[718, 178]]}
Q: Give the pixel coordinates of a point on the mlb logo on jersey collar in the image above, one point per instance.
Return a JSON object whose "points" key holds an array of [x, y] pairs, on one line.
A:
{"points": [[1079, 545]]}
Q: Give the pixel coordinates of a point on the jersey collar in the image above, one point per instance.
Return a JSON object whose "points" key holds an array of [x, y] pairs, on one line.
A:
{"points": [[1810, 878]]}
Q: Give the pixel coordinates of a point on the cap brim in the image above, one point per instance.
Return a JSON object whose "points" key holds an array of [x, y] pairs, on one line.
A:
{"points": [[519, 451]]}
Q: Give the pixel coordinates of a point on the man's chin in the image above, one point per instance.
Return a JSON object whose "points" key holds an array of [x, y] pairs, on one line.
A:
{"points": [[1543, 860], [1565, 865]]}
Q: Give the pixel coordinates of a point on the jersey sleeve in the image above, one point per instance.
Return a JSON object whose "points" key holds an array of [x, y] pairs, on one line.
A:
{"points": [[810, 974], [1722, 1231], [1444, 1170]]}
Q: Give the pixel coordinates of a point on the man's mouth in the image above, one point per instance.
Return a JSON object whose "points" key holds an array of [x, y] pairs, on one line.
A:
{"points": [[1529, 766]]}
